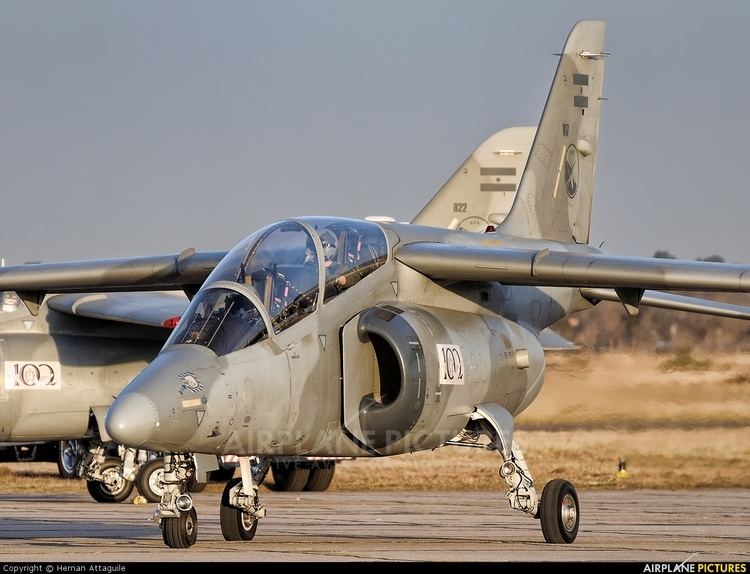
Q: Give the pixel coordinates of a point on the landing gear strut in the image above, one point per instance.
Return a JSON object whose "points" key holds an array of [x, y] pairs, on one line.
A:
{"points": [[557, 509], [175, 513], [240, 505]]}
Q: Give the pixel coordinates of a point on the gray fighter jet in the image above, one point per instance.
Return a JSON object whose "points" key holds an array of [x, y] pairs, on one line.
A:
{"points": [[334, 337], [91, 345]]}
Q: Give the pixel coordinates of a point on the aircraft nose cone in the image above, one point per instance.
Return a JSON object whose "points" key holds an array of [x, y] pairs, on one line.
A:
{"points": [[131, 419]]}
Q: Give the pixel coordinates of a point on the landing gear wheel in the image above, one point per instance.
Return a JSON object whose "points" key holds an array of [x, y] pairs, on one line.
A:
{"points": [[150, 477], [290, 477], [195, 486], [182, 531], [235, 524], [114, 488], [149, 480], [321, 477], [559, 512], [69, 454]]}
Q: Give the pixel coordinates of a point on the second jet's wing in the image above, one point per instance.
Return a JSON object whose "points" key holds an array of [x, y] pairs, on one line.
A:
{"points": [[154, 309], [186, 271], [129, 273]]}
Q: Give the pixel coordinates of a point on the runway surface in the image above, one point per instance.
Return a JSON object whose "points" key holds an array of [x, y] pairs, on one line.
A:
{"points": [[652, 526]]}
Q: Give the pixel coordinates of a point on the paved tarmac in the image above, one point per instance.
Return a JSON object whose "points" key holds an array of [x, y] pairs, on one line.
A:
{"points": [[652, 526]]}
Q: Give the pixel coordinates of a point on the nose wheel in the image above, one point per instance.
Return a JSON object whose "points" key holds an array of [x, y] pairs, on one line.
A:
{"points": [[175, 513], [181, 531]]}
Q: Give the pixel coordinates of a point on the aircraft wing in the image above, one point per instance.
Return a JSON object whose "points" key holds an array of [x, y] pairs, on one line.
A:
{"points": [[127, 274], [441, 261], [186, 271], [157, 309]]}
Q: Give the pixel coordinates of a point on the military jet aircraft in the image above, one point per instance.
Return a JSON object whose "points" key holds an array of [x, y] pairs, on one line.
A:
{"points": [[325, 336], [90, 345]]}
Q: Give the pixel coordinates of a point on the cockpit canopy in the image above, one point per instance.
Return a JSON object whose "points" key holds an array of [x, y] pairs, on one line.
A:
{"points": [[286, 265]]}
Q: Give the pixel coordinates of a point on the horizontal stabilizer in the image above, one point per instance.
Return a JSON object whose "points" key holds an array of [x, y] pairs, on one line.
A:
{"points": [[675, 303], [450, 262]]}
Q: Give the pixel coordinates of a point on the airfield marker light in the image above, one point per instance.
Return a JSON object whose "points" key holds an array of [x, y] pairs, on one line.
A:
{"points": [[170, 323], [622, 469]]}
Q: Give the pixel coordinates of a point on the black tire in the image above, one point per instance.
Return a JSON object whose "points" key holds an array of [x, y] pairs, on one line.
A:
{"points": [[180, 532], [321, 477], [560, 513], [221, 474], [290, 477], [100, 492], [195, 486], [235, 524], [68, 456], [148, 481]]}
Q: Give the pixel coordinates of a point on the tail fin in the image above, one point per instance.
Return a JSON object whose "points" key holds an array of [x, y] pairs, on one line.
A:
{"points": [[557, 187], [482, 190]]}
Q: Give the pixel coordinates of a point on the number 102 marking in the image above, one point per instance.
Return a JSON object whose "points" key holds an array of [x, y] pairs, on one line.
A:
{"points": [[451, 365]]}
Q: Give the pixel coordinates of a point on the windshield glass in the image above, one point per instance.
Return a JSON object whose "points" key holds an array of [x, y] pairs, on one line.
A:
{"points": [[352, 249], [280, 264], [220, 319]]}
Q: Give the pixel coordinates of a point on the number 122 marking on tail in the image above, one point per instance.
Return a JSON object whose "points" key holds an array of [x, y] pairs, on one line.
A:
{"points": [[451, 365]]}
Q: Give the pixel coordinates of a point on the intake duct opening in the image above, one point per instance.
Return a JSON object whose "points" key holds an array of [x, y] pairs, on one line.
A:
{"points": [[389, 376], [393, 408]]}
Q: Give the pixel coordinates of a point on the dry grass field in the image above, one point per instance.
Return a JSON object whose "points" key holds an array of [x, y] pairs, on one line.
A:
{"points": [[679, 421]]}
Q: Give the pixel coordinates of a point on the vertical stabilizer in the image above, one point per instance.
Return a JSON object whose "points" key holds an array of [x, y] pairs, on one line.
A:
{"points": [[557, 187]]}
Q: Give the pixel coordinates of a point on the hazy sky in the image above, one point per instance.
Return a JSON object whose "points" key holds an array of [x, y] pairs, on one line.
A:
{"points": [[134, 128]]}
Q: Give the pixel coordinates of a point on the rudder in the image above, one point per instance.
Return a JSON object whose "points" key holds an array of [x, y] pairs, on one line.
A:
{"points": [[556, 191]]}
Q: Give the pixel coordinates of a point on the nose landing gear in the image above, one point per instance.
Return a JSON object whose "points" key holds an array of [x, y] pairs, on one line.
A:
{"points": [[175, 514]]}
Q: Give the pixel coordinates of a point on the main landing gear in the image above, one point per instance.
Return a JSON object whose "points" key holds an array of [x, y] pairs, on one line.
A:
{"points": [[104, 478], [557, 509], [240, 505]]}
